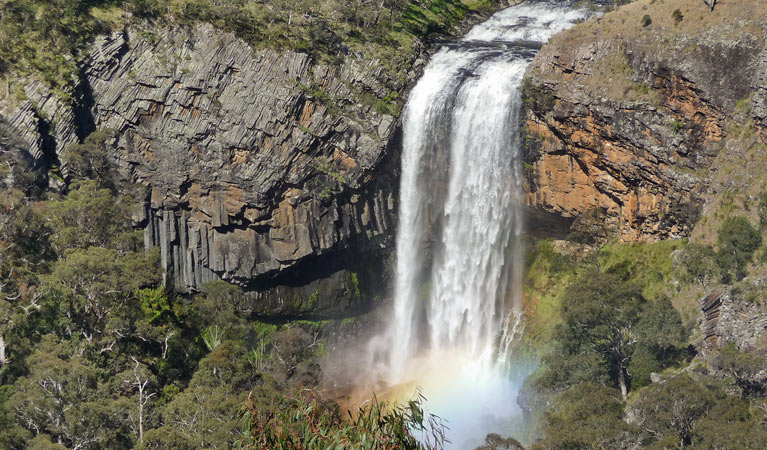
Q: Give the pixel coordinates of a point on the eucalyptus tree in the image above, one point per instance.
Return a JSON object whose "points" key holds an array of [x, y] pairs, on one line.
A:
{"points": [[600, 315]]}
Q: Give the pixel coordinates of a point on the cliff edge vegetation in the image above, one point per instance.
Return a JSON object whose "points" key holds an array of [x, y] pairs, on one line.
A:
{"points": [[49, 37]]}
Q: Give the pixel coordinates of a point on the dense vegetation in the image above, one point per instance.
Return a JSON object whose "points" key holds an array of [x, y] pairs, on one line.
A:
{"points": [[47, 38], [95, 353], [620, 368]]}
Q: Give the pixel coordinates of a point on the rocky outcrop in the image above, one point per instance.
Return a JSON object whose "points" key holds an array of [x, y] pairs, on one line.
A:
{"points": [[273, 170], [760, 92], [36, 125], [248, 165], [624, 120], [250, 160], [736, 319], [735, 316], [711, 307]]}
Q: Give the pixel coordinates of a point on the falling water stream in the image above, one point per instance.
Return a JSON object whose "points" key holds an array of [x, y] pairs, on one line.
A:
{"points": [[459, 253]]}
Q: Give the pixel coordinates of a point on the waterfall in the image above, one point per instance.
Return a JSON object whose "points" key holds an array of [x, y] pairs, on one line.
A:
{"points": [[460, 259], [459, 255], [460, 215]]}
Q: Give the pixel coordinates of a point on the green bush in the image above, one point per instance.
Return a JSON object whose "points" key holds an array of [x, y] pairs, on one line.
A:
{"points": [[585, 416], [737, 242], [762, 210], [310, 423], [90, 160], [699, 263], [661, 341], [646, 20], [677, 16], [743, 367], [731, 424], [644, 361], [673, 408], [537, 98], [675, 125]]}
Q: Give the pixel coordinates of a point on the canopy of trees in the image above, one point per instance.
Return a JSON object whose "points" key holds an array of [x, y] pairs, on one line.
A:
{"points": [[95, 354], [621, 372]]}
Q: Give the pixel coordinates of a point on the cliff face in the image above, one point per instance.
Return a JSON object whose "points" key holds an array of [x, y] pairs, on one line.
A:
{"points": [[244, 163], [624, 121], [251, 160]]}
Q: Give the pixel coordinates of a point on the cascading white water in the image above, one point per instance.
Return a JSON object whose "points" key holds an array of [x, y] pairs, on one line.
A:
{"points": [[460, 194], [459, 258]]}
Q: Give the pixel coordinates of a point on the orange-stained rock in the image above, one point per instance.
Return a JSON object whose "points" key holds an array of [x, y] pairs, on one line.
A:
{"points": [[627, 125]]}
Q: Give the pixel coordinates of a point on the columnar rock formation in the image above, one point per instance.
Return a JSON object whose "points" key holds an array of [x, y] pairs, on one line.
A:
{"points": [[243, 162], [251, 160]]}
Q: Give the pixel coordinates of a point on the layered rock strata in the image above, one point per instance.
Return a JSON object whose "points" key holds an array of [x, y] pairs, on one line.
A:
{"points": [[251, 160], [622, 118]]}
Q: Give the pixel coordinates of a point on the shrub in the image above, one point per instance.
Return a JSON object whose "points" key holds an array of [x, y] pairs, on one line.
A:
{"points": [[310, 423], [677, 16], [676, 125], [673, 408], [585, 416], [743, 367], [661, 341], [90, 160], [730, 424], [643, 363], [646, 20], [699, 263], [737, 241], [536, 97], [494, 441], [762, 209]]}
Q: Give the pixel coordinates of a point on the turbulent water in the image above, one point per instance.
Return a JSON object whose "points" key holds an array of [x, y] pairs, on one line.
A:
{"points": [[459, 258]]}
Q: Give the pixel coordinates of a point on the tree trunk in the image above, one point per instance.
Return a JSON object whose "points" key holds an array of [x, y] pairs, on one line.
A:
{"points": [[3, 357], [622, 383], [140, 418]]}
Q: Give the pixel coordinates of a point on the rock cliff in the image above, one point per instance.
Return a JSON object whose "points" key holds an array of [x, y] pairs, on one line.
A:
{"points": [[273, 170], [244, 163], [251, 160], [624, 120]]}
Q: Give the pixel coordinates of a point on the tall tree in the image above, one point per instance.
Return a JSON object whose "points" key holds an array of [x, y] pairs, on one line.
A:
{"points": [[737, 241], [61, 396], [699, 263], [140, 379], [668, 411], [600, 314]]}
